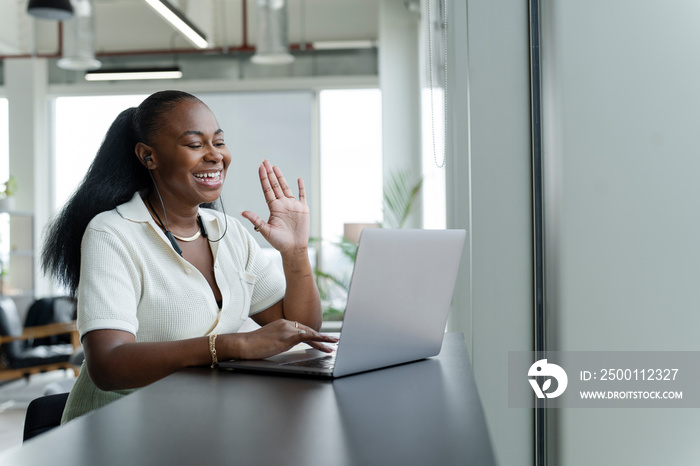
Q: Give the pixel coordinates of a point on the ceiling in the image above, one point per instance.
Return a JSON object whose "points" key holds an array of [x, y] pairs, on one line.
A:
{"points": [[124, 27]]}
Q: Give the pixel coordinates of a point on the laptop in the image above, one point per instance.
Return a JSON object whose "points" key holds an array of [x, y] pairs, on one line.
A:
{"points": [[399, 299]]}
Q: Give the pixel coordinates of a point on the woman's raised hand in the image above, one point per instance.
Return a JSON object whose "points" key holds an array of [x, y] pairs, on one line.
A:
{"points": [[287, 228]]}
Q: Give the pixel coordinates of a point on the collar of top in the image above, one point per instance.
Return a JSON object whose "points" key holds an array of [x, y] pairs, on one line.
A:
{"points": [[136, 211]]}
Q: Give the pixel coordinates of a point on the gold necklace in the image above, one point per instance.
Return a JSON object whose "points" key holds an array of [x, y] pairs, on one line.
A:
{"points": [[157, 218], [191, 238]]}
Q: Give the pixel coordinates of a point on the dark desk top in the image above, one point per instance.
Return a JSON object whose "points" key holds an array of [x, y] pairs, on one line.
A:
{"points": [[423, 413]]}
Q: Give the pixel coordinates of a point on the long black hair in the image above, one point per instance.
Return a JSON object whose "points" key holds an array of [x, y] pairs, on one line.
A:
{"points": [[112, 179]]}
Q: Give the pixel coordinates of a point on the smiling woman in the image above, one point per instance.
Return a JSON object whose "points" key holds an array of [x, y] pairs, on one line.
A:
{"points": [[159, 274]]}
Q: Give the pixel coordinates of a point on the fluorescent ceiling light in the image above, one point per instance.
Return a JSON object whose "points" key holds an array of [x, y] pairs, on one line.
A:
{"points": [[343, 44], [180, 22], [272, 58], [127, 74]]}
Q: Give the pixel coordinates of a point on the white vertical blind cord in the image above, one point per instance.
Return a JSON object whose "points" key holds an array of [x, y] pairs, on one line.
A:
{"points": [[443, 26]]}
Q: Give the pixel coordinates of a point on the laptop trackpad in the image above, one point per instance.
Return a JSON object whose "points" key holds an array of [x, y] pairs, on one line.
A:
{"points": [[296, 355]]}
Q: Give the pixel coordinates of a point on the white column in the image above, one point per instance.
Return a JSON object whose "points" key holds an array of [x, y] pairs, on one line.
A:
{"points": [[458, 164], [489, 194], [399, 82], [26, 83], [621, 152]]}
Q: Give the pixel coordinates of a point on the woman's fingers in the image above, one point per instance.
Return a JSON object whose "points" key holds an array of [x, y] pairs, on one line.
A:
{"points": [[310, 336], [274, 182], [319, 346], [282, 335], [286, 190], [268, 192], [302, 190], [314, 339], [259, 224]]}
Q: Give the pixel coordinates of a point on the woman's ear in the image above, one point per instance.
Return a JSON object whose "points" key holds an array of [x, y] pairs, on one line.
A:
{"points": [[143, 152]]}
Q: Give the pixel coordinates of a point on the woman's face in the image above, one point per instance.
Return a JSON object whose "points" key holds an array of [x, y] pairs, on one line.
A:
{"points": [[190, 154]]}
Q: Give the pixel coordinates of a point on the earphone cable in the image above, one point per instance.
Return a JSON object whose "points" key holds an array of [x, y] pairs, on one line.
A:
{"points": [[225, 220], [166, 227], [168, 234]]}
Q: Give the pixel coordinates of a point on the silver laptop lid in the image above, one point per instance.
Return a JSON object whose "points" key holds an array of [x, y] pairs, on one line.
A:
{"points": [[399, 297]]}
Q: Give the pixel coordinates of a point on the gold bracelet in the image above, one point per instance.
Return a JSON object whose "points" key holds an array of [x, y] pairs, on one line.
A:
{"points": [[212, 350]]}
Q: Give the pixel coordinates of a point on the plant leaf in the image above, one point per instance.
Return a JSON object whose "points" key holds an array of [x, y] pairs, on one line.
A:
{"points": [[332, 278], [400, 194]]}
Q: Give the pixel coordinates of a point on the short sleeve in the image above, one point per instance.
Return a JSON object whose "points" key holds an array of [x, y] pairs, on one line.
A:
{"points": [[109, 287]]}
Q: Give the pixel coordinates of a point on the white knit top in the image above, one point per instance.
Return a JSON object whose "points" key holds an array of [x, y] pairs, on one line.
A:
{"points": [[132, 279]]}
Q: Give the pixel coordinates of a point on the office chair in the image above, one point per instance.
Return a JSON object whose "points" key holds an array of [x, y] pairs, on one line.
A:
{"points": [[44, 414], [18, 355], [52, 310]]}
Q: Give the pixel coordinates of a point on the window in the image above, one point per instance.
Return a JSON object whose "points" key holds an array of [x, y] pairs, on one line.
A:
{"points": [[351, 159], [351, 182], [80, 124]]}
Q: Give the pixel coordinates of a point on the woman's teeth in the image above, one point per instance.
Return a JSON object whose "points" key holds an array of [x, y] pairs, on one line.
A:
{"points": [[208, 175]]}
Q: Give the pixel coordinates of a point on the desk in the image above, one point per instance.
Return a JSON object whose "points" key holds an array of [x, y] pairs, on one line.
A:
{"points": [[423, 413]]}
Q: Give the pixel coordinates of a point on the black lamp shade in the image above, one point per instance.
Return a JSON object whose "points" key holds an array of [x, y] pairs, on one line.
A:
{"points": [[57, 10]]}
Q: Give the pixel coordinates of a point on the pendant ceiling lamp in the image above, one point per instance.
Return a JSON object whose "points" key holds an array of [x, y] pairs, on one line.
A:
{"points": [[272, 46], [57, 10], [79, 39]]}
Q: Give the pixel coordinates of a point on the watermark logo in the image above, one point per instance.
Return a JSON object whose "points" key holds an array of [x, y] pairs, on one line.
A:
{"points": [[543, 369], [603, 379]]}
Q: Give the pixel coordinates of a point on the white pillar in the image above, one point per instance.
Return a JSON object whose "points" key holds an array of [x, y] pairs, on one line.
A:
{"points": [[399, 74], [489, 117], [26, 82]]}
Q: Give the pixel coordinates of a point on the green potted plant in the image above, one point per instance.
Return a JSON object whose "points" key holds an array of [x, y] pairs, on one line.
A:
{"points": [[8, 189]]}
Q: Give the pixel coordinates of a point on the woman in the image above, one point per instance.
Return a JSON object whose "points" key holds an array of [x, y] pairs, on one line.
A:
{"points": [[163, 283]]}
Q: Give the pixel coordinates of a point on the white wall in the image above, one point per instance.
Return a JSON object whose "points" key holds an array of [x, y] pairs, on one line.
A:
{"points": [[25, 81], [399, 73], [488, 175], [623, 216]]}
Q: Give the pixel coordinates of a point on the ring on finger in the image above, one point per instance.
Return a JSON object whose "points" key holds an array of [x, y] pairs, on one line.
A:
{"points": [[296, 324], [257, 228], [301, 330]]}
